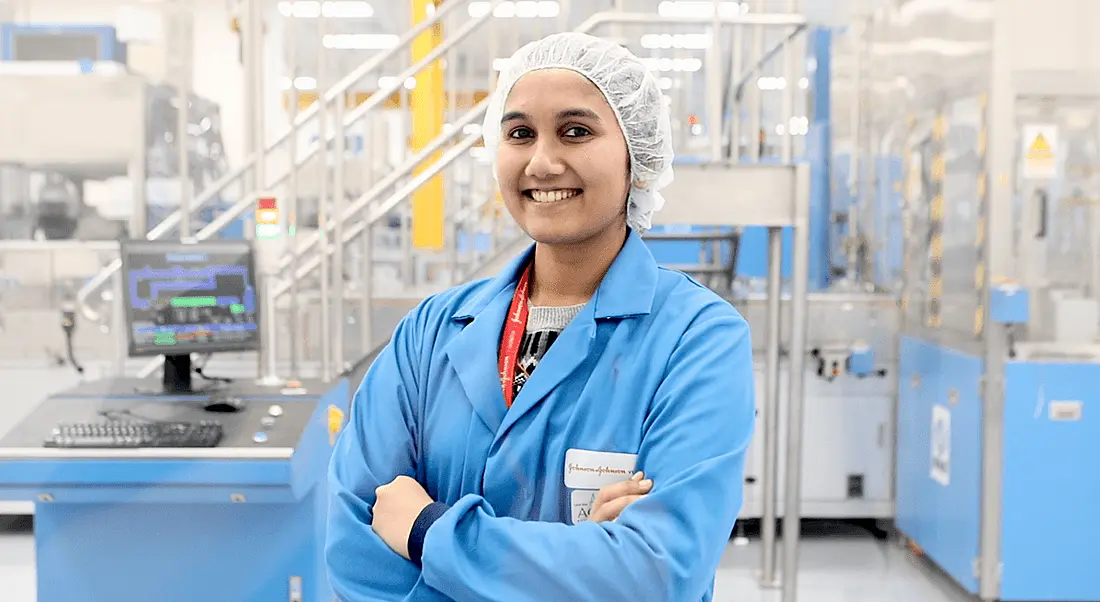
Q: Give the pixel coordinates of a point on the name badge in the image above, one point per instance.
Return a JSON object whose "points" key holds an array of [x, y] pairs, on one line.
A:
{"points": [[586, 469], [581, 501]]}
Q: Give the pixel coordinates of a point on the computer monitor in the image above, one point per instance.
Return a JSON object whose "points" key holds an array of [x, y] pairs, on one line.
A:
{"points": [[189, 298]]}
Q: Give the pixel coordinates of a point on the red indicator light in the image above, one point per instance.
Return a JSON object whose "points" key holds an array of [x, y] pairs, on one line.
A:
{"points": [[267, 203]]}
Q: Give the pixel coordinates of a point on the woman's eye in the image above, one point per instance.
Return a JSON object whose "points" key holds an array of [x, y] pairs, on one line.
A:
{"points": [[577, 132], [520, 133]]}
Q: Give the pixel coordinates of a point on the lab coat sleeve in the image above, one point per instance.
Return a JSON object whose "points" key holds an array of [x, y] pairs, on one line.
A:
{"points": [[665, 546], [377, 446]]}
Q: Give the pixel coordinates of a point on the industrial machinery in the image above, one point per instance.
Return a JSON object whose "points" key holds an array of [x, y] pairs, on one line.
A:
{"points": [[125, 128], [997, 447]]}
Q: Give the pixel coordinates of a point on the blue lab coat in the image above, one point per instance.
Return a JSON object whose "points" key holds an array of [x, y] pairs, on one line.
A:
{"points": [[654, 365]]}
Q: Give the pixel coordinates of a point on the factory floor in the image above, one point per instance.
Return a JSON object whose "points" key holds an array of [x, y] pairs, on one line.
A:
{"points": [[838, 564]]}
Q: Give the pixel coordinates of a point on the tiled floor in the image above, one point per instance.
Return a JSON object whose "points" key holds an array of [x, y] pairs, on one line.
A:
{"points": [[838, 565]]}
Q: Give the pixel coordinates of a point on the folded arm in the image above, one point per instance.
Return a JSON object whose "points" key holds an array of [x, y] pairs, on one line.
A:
{"points": [[377, 446], [665, 546]]}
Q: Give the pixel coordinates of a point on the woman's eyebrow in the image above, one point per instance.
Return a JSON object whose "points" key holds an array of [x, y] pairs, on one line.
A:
{"points": [[574, 113], [566, 114]]}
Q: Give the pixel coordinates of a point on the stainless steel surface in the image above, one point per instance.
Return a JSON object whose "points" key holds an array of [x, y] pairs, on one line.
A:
{"points": [[770, 417], [800, 275]]}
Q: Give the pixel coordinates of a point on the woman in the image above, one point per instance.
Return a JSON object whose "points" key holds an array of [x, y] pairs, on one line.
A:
{"points": [[466, 473]]}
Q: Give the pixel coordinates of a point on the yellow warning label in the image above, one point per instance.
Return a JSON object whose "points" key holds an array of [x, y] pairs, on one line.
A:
{"points": [[1040, 152], [1040, 149], [335, 423]]}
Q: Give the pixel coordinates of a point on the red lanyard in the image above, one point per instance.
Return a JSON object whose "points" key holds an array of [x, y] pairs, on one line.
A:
{"points": [[514, 327]]}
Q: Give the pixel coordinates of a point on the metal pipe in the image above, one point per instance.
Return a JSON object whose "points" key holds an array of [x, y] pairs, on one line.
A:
{"points": [[323, 205], [737, 66], [770, 426], [800, 270], [713, 85], [294, 315], [755, 103], [181, 15], [256, 107], [854, 226], [366, 319], [379, 211], [339, 199]]}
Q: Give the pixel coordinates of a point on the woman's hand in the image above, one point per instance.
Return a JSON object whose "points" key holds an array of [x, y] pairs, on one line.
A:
{"points": [[612, 499]]}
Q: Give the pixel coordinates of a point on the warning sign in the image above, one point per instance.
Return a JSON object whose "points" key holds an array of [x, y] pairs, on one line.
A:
{"points": [[941, 445], [1040, 152]]}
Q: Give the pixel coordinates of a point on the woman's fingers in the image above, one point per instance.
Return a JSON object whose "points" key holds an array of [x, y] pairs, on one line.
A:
{"points": [[617, 496], [611, 510]]}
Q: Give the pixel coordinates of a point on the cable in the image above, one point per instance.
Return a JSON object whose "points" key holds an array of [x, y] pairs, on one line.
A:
{"points": [[68, 326], [199, 371]]}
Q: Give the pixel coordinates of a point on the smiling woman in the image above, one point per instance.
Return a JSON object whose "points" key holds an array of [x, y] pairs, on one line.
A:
{"points": [[575, 428]]}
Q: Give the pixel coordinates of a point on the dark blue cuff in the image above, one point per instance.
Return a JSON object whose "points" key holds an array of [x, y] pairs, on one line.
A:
{"points": [[424, 521]]}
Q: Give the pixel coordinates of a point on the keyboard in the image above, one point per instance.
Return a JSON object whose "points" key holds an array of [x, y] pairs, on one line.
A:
{"points": [[130, 435]]}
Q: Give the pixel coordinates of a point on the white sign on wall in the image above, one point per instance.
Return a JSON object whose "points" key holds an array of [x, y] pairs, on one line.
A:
{"points": [[941, 445]]}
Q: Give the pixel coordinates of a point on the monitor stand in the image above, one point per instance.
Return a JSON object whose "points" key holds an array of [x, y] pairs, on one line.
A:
{"points": [[177, 374]]}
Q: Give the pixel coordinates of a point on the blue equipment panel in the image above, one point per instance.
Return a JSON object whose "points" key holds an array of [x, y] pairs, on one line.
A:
{"points": [[939, 455], [1050, 491], [1009, 305], [225, 523], [1051, 518]]}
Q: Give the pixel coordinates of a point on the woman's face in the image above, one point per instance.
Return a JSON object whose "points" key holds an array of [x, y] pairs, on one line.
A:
{"points": [[563, 164]]}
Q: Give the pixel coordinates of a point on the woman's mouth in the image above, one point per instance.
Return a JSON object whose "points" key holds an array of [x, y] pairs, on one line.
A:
{"points": [[551, 196]]}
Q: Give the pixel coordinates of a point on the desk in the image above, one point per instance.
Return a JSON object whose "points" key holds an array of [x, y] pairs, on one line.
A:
{"points": [[240, 522]]}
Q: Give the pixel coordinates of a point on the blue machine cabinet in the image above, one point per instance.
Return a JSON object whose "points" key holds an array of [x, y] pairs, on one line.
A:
{"points": [[1051, 491], [242, 521]]}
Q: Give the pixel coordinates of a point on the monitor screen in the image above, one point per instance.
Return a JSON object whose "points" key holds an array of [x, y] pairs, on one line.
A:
{"points": [[190, 298]]}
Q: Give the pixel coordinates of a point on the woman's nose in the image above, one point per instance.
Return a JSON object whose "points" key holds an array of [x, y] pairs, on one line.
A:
{"points": [[544, 163]]}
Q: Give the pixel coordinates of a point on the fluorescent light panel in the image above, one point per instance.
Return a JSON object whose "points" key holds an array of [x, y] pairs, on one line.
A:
{"points": [[701, 9], [523, 9], [688, 41], [333, 9]]}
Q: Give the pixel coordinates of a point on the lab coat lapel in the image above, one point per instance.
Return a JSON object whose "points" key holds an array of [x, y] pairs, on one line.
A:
{"points": [[626, 290], [567, 353], [474, 351]]}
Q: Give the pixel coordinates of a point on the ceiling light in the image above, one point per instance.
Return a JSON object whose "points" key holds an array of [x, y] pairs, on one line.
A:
{"points": [[333, 9], [523, 9], [360, 41], [772, 83], [690, 41], [665, 83], [701, 9], [679, 65], [300, 83]]}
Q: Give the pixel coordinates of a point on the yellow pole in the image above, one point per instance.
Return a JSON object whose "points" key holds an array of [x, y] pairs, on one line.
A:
{"points": [[427, 100]]}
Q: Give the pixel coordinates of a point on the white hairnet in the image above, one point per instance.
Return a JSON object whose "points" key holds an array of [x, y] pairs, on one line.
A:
{"points": [[630, 89]]}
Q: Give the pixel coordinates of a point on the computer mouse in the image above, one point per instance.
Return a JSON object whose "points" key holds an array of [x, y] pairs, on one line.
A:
{"points": [[225, 405]]}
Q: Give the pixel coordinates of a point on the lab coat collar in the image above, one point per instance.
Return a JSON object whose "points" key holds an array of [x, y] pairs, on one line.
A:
{"points": [[627, 289]]}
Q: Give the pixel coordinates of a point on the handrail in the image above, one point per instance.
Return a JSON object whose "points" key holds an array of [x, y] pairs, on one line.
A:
{"points": [[337, 91], [390, 179], [382, 209]]}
